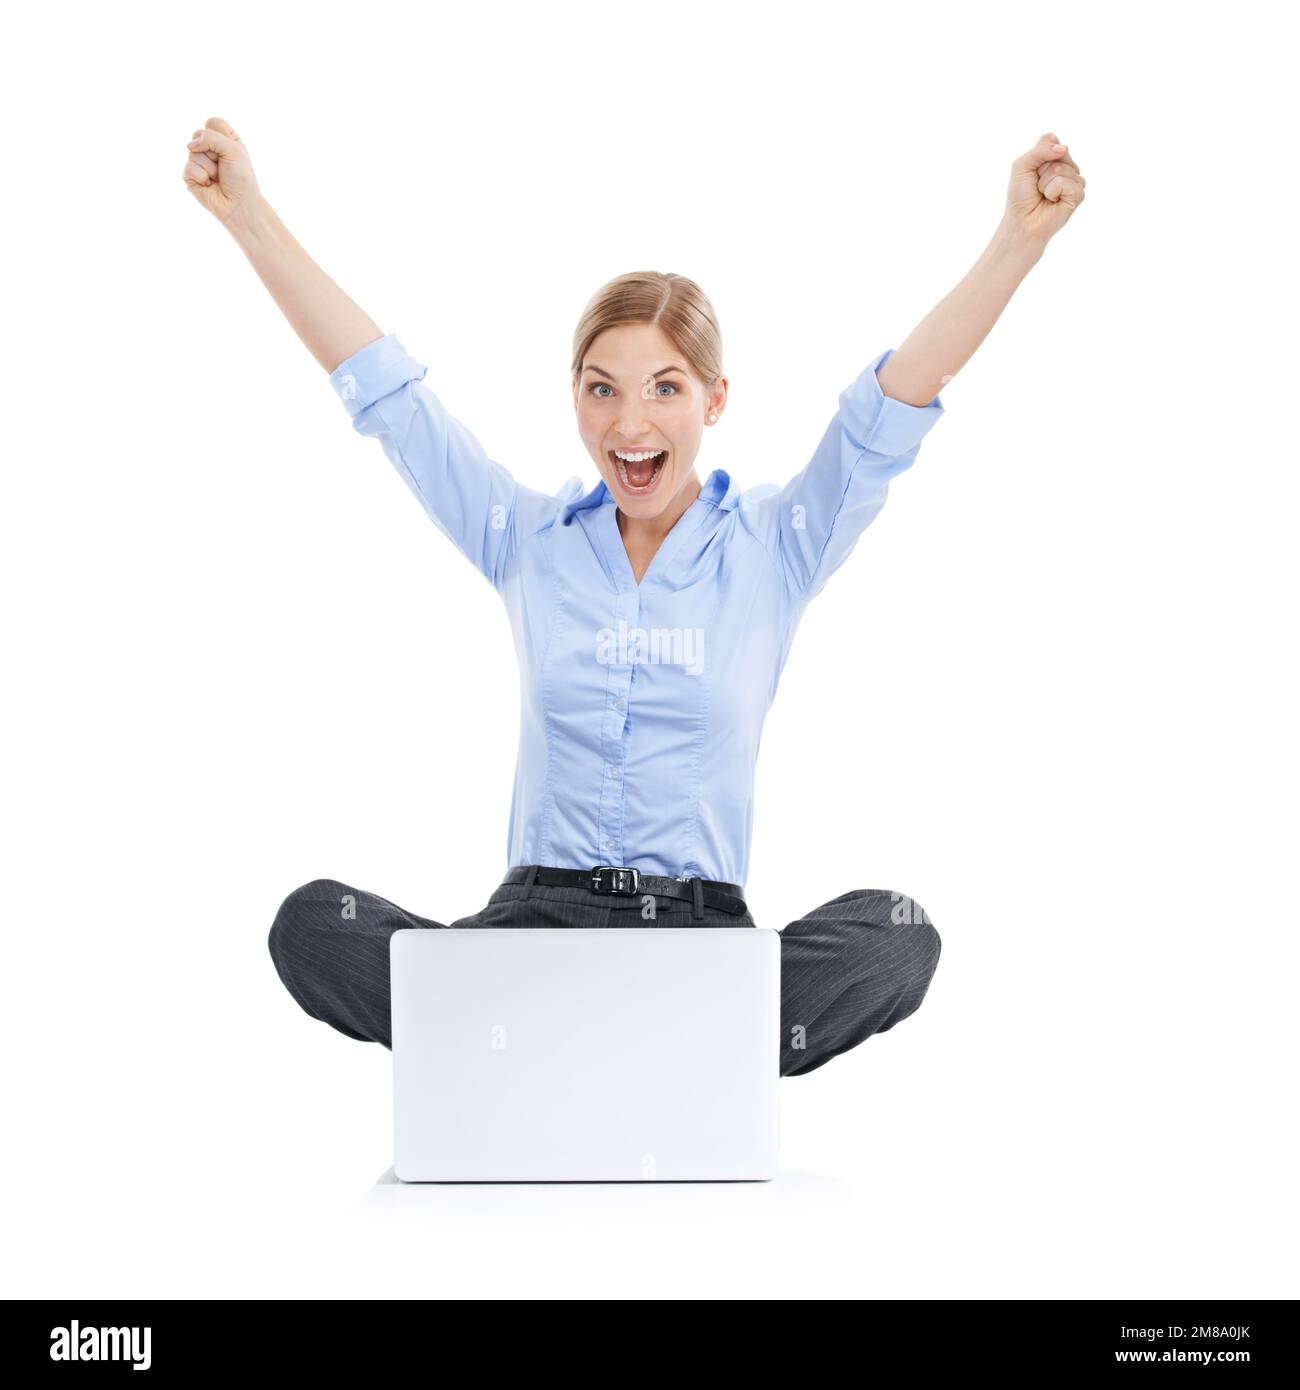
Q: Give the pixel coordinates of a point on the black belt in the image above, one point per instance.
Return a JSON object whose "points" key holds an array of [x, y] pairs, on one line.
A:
{"points": [[606, 878]]}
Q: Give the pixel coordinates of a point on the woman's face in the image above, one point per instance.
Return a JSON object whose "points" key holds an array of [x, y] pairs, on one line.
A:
{"points": [[635, 396]]}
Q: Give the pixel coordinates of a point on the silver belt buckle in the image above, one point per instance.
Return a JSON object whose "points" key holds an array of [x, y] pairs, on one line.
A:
{"points": [[624, 882]]}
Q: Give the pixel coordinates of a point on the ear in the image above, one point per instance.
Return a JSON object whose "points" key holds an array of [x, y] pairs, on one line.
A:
{"points": [[718, 396]]}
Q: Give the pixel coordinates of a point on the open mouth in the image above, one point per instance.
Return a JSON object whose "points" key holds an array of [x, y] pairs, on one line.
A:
{"points": [[638, 469]]}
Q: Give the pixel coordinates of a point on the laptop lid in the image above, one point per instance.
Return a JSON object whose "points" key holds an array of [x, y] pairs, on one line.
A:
{"points": [[622, 1054]]}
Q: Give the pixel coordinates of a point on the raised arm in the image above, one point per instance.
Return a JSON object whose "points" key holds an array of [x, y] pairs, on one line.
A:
{"points": [[1046, 187], [814, 522], [219, 173], [471, 498]]}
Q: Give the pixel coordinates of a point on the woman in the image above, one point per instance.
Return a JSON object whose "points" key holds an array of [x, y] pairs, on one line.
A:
{"points": [[652, 615]]}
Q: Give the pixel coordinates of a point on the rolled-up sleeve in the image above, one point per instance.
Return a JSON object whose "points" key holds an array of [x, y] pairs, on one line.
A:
{"points": [[821, 512], [470, 497]]}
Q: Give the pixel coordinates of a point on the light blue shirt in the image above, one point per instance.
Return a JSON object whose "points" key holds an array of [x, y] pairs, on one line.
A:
{"points": [[642, 705]]}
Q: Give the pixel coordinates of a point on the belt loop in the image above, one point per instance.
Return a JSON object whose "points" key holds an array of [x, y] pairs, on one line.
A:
{"points": [[529, 879], [697, 905]]}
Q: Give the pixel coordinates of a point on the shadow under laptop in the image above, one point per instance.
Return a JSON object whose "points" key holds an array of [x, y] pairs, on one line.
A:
{"points": [[794, 1188]]}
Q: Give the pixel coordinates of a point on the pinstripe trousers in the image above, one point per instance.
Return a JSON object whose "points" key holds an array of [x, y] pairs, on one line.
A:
{"points": [[852, 967]]}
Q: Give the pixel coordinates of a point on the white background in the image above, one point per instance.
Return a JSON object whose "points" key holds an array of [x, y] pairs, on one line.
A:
{"points": [[1051, 694]]}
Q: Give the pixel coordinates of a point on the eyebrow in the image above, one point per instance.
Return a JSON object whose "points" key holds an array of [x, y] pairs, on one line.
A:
{"points": [[663, 371]]}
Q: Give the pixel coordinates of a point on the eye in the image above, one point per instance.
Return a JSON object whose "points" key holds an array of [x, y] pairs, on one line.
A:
{"points": [[595, 386], [671, 386]]}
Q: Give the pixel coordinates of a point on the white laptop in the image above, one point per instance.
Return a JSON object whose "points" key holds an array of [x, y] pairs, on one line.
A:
{"points": [[619, 1054]]}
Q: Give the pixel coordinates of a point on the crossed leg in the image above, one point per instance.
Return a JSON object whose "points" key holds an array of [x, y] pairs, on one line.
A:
{"points": [[854, 966], [330, 945]]}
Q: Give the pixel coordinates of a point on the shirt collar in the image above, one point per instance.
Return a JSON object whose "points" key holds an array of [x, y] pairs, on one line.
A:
{"points": [[718, 490]]}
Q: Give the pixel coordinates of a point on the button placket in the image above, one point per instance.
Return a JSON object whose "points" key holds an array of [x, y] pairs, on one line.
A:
{"points": [[614, 724]]}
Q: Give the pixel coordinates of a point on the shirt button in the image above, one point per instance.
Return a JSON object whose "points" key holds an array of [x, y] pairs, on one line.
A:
{"points": [[616, 772], [620, 703]]}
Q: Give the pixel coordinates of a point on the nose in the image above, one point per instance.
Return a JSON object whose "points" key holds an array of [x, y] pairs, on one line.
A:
{"points": [[632, 430]]}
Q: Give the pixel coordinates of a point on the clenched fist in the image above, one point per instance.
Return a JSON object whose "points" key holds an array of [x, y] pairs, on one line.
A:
{"points": [[1046, 187], [219, 172]]}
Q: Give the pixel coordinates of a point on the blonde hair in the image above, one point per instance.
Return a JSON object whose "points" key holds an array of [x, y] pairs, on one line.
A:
{"points": [[674, 303]]}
